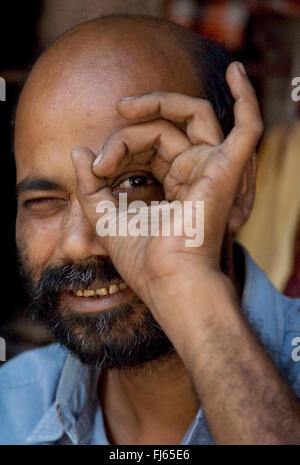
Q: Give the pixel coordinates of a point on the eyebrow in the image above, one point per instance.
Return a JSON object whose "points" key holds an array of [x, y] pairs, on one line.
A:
{"points": [[39, 184]]}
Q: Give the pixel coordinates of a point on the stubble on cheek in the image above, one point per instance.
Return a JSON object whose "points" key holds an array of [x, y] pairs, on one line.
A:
{"points": [[28, 262], [31, 248]]}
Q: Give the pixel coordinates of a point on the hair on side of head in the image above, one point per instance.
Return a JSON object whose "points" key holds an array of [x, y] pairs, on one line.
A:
{"points": [[211, 61]]}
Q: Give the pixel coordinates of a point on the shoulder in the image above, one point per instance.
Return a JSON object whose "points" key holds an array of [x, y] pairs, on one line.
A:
{"points": [[291, 344], [276, 320], [31, 366], [28, 385]]}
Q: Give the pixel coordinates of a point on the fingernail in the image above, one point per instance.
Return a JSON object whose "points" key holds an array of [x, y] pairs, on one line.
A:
{"points": [[241, 68], [98, 159], [128, 98]]}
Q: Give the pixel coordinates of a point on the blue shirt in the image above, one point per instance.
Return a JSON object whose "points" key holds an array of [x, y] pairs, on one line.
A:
{"points": [[47, 396]]}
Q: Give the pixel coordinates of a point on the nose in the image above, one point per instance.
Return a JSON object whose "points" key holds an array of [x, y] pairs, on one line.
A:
{"points": [[78, 241]]}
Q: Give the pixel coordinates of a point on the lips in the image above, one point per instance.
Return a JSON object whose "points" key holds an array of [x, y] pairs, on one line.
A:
{"points": [[102, 291], [96, 299]]}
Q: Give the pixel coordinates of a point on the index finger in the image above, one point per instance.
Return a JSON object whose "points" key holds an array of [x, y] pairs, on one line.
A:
{"points": [[202, 125]]}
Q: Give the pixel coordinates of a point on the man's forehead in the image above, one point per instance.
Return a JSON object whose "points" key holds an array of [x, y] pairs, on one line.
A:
{"points": [[96, 77], [48, 152], [70, 98]]}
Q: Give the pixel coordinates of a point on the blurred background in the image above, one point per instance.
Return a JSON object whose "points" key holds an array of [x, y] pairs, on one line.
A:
{"points": [[264, 34]]}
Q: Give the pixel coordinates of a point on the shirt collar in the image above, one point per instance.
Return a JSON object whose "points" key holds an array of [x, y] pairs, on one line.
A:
{"points": [[74, 408], [76, 403]]}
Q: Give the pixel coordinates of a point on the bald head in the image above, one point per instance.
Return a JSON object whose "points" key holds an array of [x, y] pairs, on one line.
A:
{"points": [[70, 100], [73, 88], [71, 94], [96, 63]]}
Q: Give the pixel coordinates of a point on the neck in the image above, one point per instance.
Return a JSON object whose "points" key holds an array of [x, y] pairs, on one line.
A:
{"points": [[156, 403]]}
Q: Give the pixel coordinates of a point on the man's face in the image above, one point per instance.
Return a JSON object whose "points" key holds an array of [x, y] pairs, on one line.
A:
{"points": [[69, 101]]}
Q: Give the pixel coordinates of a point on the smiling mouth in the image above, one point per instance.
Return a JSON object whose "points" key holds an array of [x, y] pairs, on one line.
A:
{"points": [[99, 298], [100, 292]]}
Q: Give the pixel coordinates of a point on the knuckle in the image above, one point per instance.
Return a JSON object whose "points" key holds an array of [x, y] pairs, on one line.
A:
{"points": [[164, 123], [113, 136], [116, 133], [204, 110], [252, 92], [159, 94], [258, 127], [117, 136], [206, 106]]}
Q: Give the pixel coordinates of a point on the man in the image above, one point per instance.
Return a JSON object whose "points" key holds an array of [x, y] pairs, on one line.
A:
{"points": [[168, 344]]}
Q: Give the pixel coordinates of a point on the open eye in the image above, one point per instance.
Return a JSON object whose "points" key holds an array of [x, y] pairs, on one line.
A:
{"points": [[134, 181]]}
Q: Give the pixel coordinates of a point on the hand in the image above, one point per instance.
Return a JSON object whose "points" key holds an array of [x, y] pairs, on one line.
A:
{"points": [[195, 164], [184, 287]]}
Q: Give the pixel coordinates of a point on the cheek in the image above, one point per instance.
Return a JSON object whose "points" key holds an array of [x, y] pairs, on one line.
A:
{"points": [[37, 241]]}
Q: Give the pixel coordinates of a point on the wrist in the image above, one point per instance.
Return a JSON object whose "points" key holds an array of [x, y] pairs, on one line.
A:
{"points": [[192, 307]]}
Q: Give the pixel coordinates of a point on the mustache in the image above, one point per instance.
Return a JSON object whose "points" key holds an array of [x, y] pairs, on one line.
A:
{"points": [[68, 277]]}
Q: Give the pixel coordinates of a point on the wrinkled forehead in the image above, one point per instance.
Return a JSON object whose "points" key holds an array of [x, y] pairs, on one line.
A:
{"points": [[70, 98]]}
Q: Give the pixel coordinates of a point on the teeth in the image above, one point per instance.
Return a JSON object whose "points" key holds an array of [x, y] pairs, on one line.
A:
{"points": [[102, 291], [88, 293], [78, 293], [112, 289]]}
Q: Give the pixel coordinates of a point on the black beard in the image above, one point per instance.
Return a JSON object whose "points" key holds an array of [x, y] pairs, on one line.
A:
{"points": [[125, 337]]}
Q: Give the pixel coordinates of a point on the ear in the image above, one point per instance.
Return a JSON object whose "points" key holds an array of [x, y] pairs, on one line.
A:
{"points": [[242, 206]]}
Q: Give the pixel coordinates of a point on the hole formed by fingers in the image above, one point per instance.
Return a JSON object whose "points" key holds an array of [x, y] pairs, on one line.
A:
{"points": [[142, 138]]}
